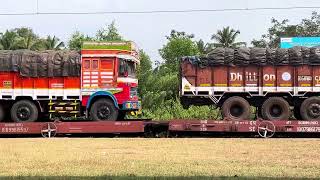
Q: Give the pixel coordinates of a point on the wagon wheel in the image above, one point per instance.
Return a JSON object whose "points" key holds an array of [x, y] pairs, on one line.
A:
{"points": [[49, 130], [266, 129]]}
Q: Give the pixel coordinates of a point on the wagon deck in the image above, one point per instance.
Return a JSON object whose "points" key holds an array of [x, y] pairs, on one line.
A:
{"points": [[262, 128]]}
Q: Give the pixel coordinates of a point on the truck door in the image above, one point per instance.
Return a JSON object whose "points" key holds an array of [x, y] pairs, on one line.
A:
{"points": [[90, 73], [107, 71], [97, 72]]}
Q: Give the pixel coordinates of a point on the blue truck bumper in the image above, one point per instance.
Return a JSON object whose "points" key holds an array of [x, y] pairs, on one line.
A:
{"points": [[131, 105]]}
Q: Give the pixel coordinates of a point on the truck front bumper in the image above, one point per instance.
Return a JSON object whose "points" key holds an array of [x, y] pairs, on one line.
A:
{"points": [[131, 105]]}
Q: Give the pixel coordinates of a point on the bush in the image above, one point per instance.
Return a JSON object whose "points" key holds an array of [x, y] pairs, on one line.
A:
{"points": [[172, 109]]}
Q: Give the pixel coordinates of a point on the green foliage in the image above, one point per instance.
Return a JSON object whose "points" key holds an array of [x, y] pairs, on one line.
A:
{"points": [[27, 39], [204, 48], [179, 44], [161, 84], [52, 43], [172, 109], [227, 38], [109, 33], [8, 40], [144, 73], [158, 88], [307, 27], [76, 40]]}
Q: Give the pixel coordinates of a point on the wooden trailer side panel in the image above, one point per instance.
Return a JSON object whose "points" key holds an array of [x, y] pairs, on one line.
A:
{"points": [[296, 80], [13, 85], [220, 76], [251, 76], [204, 77]]}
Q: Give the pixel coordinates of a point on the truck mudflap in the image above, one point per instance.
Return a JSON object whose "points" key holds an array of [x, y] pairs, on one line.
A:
{"points": [[262, 127]]}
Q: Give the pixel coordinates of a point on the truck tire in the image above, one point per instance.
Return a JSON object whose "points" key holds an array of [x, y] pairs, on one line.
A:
{"points": [[275, 108], [24, 111], [310, 109], [103, 110], [236, 108]]}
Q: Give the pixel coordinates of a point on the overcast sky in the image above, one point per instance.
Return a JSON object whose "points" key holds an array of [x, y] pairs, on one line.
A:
{"points": [[149, 30]]}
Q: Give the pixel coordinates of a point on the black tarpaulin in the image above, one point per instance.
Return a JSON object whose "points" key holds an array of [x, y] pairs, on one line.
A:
{"points": [[261, 56], [41, 64]]}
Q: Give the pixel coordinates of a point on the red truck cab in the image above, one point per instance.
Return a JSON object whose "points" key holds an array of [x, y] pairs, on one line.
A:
{"points": [[108, 77]]}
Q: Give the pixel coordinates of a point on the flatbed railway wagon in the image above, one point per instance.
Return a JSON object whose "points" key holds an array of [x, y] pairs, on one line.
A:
{"points": [[93, 98], [273, 89], [97, 84], [173, 128]]}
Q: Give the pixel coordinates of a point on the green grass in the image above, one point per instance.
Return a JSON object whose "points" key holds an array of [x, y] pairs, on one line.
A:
{"points": [[163, 158]]}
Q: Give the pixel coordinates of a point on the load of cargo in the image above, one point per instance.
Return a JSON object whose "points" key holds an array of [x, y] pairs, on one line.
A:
{"points": [[258, 56], [41, 64]]}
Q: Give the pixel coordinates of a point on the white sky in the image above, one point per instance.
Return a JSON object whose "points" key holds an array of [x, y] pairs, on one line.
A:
{"points": [[149, 30]]}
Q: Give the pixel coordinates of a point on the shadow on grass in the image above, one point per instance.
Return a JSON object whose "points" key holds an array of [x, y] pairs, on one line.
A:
{"points": [[143, 177]]}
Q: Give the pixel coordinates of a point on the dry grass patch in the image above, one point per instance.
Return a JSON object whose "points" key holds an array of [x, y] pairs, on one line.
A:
{"points": [[122, 157]]}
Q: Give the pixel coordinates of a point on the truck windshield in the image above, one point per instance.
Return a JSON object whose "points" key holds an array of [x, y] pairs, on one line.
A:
{"points": [[127, 68]]}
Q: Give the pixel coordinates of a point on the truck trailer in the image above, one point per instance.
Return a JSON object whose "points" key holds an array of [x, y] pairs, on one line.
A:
{"points": [[274, 89], [98, 83]]}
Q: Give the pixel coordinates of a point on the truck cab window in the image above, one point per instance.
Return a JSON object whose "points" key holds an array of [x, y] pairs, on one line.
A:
{"points": [[86, 64], [95, 64], [127, 68]]}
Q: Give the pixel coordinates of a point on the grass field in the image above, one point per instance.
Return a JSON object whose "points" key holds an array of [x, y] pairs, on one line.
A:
{"points": [[143, 158]]}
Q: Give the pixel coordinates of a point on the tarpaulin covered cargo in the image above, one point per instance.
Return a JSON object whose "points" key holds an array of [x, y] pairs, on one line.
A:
{"points": [[41, 64], [259, 56]]}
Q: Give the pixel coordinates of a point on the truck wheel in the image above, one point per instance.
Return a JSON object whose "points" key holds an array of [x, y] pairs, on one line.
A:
{"points": [[275, 108], [236, 108], [103, 110], [24, 111], [310, 109]]}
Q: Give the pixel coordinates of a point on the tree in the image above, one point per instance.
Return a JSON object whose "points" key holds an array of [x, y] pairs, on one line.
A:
{"points": [[179, 34], [53, 43], [179, 44], [76, 40], [277, 30], [8, 40], [204, 48], [27, 39], [227, 38], [162, 84], [109, 33], [307, 27], [144, 72]]}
